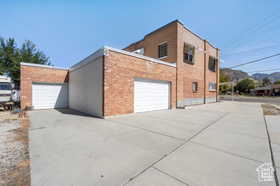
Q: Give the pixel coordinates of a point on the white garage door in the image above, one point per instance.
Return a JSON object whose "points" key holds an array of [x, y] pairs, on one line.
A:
{"points": [[151, 95], [45, 96]]}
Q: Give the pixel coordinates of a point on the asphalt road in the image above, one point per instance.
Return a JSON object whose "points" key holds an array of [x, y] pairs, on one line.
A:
{"points": [[271, 100]]}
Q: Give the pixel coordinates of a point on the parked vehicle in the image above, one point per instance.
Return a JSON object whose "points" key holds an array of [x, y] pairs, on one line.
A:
{"points": [[5, 90]]}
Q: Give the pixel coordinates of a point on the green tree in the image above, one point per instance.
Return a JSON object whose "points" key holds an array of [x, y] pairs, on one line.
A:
{"points": [[266, 81], [245, 85], [224, 77], [11, 56], [224, 88], [277, 82]]}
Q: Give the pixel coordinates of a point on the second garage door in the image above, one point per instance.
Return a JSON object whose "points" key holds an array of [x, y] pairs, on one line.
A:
{"points": [[151, 95], [46, 96]]}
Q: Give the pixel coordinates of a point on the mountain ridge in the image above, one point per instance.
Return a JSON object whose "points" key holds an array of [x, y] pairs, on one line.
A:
{"points": [[237, 75]]}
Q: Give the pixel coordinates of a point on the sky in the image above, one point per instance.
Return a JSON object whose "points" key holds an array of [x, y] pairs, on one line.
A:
{"points": [[69, 30]]}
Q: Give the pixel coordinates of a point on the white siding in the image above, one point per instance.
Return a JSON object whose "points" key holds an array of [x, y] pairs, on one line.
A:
{"points": [[86, 88]]}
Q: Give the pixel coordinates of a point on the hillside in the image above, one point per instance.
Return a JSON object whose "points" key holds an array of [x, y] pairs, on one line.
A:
{"points": [[273, 76], [235, 75], [239, 75]]}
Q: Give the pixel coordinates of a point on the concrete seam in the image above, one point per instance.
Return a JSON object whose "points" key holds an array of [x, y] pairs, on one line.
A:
{"points": [[173, 177], [32, 129], [131, 126], [176, 148], [226, 152], [271, 152]]}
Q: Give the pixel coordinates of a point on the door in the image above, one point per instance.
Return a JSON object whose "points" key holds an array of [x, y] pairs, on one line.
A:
{"points": [[46, 96], [151, 95]]}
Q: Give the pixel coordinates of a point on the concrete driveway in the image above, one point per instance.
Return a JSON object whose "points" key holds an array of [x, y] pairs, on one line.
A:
{"points": [[209, 145]]}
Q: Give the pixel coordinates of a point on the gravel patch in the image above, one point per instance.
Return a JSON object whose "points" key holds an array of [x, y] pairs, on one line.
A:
{"points": [[14, 155], [270, 109]]}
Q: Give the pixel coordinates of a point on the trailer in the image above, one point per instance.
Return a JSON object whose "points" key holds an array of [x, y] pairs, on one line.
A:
{"points": [[6, 92]]}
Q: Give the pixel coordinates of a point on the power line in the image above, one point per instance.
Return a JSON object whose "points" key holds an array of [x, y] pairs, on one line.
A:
{"points": [[264, 70], [252, 50], [254, 61], [254, 28]]}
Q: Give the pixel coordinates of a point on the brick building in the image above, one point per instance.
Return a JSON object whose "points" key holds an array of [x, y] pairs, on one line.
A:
{"points": [[170, 67]]}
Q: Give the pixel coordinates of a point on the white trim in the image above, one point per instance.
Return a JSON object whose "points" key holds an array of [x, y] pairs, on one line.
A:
{"points": [[42, 66], [104, 52], [163, 57], [141, 56], [163, 43], [100, 52]]}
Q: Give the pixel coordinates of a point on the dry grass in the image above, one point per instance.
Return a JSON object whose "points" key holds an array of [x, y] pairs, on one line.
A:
{"points": [[14, 154], [4, 115], [270, 109]]}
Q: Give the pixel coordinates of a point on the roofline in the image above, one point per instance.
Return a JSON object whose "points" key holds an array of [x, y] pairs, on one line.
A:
{"points": [[104, 52], [42, 66], [141, 56], [166, 25], [162, 27], [134, 43]]}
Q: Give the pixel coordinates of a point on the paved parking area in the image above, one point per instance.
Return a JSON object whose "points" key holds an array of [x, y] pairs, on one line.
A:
{"points": [[216, 144]]}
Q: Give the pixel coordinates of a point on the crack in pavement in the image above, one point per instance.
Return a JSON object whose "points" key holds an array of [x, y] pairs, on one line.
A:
{"points": [[175, 149]]}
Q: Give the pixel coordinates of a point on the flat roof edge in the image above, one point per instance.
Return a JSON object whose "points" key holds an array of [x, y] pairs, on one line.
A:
{"points": [[102, 51], [42, 66], [140, 56], [94, 55]]}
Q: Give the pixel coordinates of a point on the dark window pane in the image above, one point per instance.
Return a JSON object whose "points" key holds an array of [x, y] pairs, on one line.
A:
{"points": [[5, 86], [212, 64], [188, 54], [162, 50]]}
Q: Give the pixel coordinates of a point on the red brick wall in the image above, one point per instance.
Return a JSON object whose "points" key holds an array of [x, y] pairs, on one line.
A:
{"points": [[210, 76], [197, 72], [29, 74], [151, 42], [176, 35], [120, 71], [188, 73]]}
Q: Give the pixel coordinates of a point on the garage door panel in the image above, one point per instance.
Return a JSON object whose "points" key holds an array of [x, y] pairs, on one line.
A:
{"points": [[150, 95], [46, 96]]}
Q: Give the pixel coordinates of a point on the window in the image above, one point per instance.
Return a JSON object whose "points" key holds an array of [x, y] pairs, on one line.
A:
{"points": [[194, 86], [5, 86], [212, 86], [188, 54], [139, 51], [212, 64], [162, 50]]}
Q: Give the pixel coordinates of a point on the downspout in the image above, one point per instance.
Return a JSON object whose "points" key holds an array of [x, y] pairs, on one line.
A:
{"points": [[217, 74], [103, 85], [177, 64], [204, 71], [104, 57]]}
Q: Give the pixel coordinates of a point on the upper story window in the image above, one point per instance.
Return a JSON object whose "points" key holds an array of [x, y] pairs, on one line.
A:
{"points": [[139, 51], [162, 50], [189, 53], [212, 64]]}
